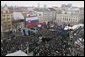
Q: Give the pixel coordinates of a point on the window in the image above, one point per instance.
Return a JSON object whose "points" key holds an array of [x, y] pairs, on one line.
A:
{"points": [[8, 19], [63, 18], [2, 19], [8, 15], [3, 15], [69, 19], [58, 21], [66, 19], [65, 12], [4, 22], [76, 20], [9, 26], [39, 14]]}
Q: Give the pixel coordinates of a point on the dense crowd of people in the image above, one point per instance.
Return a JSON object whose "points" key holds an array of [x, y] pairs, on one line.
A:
{"points": [[44, 43]]}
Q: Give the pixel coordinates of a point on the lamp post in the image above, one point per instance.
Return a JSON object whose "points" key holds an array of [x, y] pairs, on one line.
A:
{"points": [[2, 34], [27, 48]]}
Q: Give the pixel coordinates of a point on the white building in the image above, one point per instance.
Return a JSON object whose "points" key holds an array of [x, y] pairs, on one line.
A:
{"points": [[67, 18], [46, 14], [81, 14], [69, 15]]}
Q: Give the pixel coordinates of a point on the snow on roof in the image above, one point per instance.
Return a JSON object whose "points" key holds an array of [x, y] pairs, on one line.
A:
{"points": [[67, 27], [18, 16], [77, 26], [32, 18], [18, 53], [74, 27]]}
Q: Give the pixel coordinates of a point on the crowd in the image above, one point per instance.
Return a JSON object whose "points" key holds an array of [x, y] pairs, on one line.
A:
{"points": [[57, 46], [44, 43]]}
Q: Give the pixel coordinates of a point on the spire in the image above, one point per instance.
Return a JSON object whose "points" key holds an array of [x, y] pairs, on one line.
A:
{"points": [[38, 5], [5, 5], [45, 6]]}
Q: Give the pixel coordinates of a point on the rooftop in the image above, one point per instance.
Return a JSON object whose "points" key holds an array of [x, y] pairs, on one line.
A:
{"points": [[17, 15]]}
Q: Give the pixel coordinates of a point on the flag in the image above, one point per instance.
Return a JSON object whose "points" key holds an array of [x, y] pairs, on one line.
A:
{"points": [[32, 22]]}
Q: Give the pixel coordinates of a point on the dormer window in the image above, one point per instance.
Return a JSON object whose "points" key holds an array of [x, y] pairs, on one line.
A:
{"points": [[6, 11]]}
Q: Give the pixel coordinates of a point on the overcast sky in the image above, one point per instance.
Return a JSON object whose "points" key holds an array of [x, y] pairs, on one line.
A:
{"points": [[48, 3]]}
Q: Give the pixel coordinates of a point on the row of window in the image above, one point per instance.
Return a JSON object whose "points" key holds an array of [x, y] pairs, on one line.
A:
{"points": [[67, 17], [5, 19], [60, 22], [6, 15], [7, 23], [6, 11], [6, 28], [69, 20]]}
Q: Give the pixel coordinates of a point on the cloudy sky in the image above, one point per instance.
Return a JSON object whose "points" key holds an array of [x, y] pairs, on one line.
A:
{"points": [[48, 3]]}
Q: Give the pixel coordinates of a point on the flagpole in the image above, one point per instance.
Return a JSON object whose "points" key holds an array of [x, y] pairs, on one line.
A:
{"points": [[25, 20]]}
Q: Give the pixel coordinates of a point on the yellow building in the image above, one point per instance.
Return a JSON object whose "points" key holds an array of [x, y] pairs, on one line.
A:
{"points": [[6, 19]]}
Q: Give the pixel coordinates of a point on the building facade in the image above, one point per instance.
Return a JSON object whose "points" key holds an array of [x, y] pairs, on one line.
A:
{"points": [[18, 21], [81, 15], [46, 14], [6, 19], [67, 19], [68, 15]]}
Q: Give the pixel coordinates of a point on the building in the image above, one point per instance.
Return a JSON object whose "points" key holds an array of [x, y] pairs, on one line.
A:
{"points": [[81, 15], [67, 19], [52, 14], [68, 15], [2, 31], [18, 20], [6, 19], [45, 14]]}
